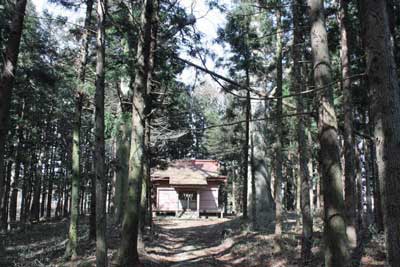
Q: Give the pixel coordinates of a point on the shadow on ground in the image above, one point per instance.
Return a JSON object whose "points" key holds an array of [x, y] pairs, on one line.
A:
{"points": [[174, 243], [219, 242]]}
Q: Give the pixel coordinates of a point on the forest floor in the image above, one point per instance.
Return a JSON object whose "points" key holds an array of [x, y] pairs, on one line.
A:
{"points": [[178, 243]]}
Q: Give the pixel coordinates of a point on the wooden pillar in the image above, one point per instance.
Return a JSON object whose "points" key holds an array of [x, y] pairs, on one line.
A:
{"points": [[177, 208], [198, 204]]}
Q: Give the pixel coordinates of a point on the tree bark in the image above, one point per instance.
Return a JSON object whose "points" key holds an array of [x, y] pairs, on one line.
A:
{"points": [[50, 184], [146, 194], [122, 168], [279, 128], [246, 149], [76, 153], [17, 168], [4, 215], [35, 205], [6, 83], [336, 243], [385, 109], [378, 216], [128, 254], [303, 145], [99, 160], [348, 135], [368, 219]]}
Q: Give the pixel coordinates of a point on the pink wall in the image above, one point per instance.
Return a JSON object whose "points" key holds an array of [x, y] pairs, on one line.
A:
{"points": [[209, 198], [167, 198]]}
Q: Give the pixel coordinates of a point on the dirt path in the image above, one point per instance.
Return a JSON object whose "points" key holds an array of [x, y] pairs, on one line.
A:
{"points": [[190, 243]]}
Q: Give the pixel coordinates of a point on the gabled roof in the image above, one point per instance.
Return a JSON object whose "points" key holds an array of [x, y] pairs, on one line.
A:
{"points": [[189, 172]]}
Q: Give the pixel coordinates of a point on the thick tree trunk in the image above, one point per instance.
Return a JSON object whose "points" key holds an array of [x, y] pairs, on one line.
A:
{"points": [[76, 153], [378, 216], [348, 136], [146, 216], [6, 83], [385, 109], [303, 145], [128, 254], [368, 219], [99, 160], [393, 7], [76, 172], [279, 128], [122, 168], [336, 243]]}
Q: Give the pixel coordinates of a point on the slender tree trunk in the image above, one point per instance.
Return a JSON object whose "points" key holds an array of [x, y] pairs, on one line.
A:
{"points": [[319, 194], [35, 205], [246, 149], [279, 128], [303, 146], [5, 210], [99, 160], [253, 199], [359, 190], [128, 254], [6, 83], [336, 243], [59, 193], [23, 197], [76, 153], [311, 172], [234, 188], [92, 218], [50, 185], [65, 194], [385, 107], [18, 159], [44, 192], [348, 136]]}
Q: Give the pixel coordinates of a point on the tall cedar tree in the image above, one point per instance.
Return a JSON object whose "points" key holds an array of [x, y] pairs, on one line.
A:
{"points": [[99, 160], [336, 243], [128, 254], [6, 84], [385, 108], [303, 146], [76, 170], [146, 194], [279, 126], [246, 144], [348, 135]]}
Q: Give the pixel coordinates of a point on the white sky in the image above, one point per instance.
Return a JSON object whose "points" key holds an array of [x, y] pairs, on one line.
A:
{"points": [[208, 22]]}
